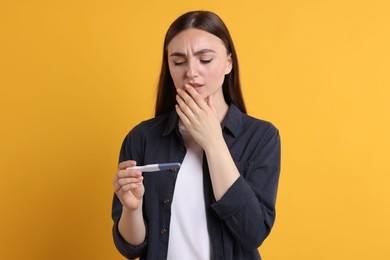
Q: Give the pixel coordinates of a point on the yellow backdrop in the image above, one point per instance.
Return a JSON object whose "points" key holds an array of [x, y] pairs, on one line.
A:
{"points": [[76, 75]]}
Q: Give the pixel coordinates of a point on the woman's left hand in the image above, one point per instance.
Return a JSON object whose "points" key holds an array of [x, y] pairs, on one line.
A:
{"points": [[198, 116]]}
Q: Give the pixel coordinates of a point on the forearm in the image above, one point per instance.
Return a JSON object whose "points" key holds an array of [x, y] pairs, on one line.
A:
{"points": [[248, 207], [223, 171], [131, 226]]}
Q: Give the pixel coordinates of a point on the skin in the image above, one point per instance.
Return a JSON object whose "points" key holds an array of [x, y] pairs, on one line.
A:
{"points": [[198, 63]]}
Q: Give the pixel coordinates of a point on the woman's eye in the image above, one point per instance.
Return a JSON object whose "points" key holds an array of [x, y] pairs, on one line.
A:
{"points": [[206, 61], [178, 63]]}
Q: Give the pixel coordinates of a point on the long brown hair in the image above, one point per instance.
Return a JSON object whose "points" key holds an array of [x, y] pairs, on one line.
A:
{"points": [[211, 23]]}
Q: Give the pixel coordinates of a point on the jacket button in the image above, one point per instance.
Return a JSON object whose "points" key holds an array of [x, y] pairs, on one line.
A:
{"points": [[166, 201], [182, 147], [163, 231]]}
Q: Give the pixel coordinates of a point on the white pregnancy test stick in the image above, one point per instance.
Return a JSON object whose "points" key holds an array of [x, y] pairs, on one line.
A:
{"points": [[155, 167]]}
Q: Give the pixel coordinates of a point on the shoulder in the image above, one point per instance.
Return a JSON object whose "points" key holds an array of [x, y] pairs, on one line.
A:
{"points": [[133, 144], [260, 131], [246, 126], [261, 125], [153, 126]]}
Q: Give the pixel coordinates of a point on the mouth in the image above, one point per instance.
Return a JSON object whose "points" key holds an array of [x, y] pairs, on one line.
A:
{"points": [[195, 85]]}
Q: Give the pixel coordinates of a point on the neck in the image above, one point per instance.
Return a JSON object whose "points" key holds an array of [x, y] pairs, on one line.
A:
{"points": [[221, 108]]}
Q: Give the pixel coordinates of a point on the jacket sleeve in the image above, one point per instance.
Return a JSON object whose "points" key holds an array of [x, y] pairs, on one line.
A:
{"points": [[129, 151], [248, 207]]}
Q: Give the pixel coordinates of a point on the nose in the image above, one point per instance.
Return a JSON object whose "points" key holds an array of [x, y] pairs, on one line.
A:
{"points": [[192, 70]]}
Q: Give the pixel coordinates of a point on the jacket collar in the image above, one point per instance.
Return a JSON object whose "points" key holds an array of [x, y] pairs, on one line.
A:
{"points": [[233, 120]]}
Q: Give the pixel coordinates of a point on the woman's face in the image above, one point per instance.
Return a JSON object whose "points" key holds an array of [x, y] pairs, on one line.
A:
{"points": [[200, 59]]}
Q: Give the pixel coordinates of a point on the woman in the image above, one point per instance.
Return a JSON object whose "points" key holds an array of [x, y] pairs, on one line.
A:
{"points": [[221, 203]]}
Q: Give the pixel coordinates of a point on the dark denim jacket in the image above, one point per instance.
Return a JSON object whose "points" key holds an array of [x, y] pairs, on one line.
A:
{"points": [[240, 221]]}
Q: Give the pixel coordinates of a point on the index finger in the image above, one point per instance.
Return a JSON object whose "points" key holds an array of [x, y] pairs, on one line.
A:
{"points": [[123, 165], [195, 96]]}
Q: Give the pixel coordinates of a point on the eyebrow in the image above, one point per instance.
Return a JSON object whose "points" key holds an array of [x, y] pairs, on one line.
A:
{"points": [[180, 54]]}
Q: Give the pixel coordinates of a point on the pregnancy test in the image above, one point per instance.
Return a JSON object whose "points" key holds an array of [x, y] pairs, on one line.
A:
{"points": [[155, 167]]}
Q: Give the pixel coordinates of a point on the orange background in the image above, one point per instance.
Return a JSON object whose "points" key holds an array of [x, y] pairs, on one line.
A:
{"points": [[76, 76]]}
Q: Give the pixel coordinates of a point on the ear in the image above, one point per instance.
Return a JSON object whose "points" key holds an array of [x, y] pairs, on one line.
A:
{"points": [[229, 64]]}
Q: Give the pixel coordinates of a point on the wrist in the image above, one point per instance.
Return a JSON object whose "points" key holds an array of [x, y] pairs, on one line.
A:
{"points": [[215, 145], [133, 209]]}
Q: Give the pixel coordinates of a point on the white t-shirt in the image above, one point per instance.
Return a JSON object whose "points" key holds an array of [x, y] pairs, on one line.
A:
{"points": [[189, 238]]}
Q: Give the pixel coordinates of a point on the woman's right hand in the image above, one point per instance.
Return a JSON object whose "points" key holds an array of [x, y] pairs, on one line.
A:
{"points": [[128, 185]]}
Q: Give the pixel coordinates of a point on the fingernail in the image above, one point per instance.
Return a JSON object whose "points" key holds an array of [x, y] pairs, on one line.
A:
{"points": [[178, 90]]}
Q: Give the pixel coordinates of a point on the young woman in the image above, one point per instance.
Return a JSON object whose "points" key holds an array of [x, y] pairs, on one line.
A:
{"points": [[220, 204]]}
